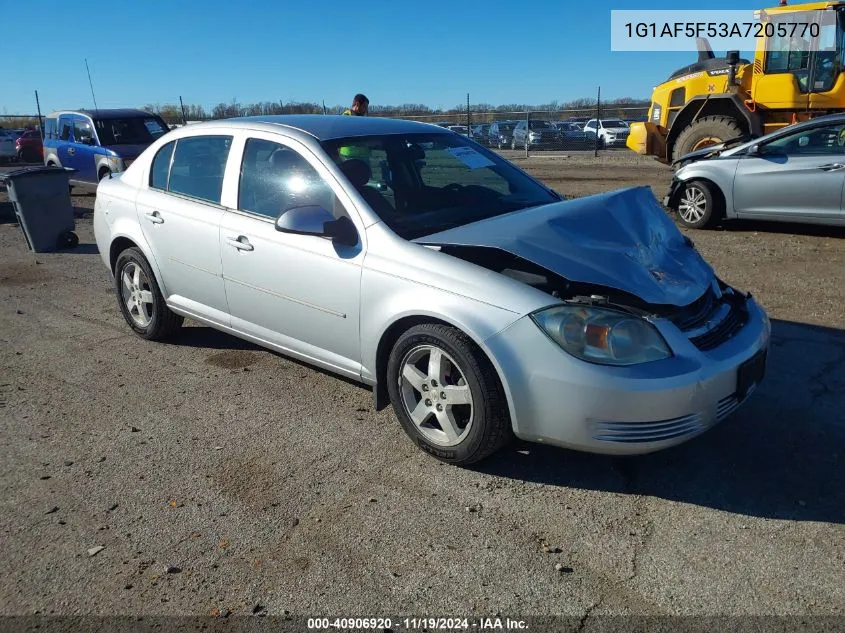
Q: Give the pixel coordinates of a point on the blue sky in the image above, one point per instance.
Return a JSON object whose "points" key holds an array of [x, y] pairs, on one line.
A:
{"points": [[430, 52]]}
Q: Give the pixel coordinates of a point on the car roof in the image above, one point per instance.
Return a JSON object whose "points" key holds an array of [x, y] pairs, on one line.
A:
{"points": [[788, 129], [325, 127], [111, 113]]}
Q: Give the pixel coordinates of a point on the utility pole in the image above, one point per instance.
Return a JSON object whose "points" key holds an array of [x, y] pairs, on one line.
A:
{"points": [[598, 119], [469, 130], [40, 123], [90, 83]]}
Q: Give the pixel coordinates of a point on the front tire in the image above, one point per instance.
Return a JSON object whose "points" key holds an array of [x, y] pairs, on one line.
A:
{"points": [[701, 205], [709, 130], [140, 299], [446, 394]]}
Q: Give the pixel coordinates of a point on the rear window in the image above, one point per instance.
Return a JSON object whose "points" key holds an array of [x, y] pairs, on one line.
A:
{"points": [[130, 130], [198, 166]]}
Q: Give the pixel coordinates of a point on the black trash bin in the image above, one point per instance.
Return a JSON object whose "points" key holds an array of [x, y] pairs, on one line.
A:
{"points": [[41, 199]]}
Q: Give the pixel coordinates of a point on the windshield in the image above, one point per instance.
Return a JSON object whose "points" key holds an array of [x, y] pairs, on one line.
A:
{"points": [[613, 123], [539, 125], [129, 131], [420, 184]]}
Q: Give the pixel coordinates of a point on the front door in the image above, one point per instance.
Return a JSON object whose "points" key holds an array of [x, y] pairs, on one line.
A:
{"points": [[180, 215], [65, 148], [796, 176], [82, 152], [299, 292]]}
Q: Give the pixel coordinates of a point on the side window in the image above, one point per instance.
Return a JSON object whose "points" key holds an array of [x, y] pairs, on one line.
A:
{"points": [[275, 178], [591, 123], [198, 166], [82, 131], [161, 167], [65, 129], [50, 128], [820, 141], [788, 51]]}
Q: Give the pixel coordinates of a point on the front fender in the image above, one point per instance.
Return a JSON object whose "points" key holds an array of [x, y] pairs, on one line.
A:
{"points": [[386, 300]]}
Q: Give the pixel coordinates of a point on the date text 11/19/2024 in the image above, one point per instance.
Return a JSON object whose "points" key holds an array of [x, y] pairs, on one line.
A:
{"points": [[417, 623]]}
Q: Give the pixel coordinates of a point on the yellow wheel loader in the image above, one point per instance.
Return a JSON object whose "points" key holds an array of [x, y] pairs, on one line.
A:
{"points": [[718, 99]]}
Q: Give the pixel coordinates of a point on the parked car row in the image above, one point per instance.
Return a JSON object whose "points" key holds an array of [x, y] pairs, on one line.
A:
{"points": [[20, 144], [572, 133]]}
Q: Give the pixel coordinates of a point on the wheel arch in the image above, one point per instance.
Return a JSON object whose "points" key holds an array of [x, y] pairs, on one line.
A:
{"points": [[405, 322], [126, 239], [713, 105]]}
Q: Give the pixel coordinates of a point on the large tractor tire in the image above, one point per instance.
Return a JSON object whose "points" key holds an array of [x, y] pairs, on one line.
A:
{"points": [[709, 130]]}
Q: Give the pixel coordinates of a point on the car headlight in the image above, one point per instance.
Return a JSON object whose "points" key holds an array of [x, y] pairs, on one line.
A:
{"points": [[603, 336], [115, 163]]}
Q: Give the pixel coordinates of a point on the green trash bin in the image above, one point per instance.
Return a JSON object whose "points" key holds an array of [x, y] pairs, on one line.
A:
{"points": [[41, 200]]}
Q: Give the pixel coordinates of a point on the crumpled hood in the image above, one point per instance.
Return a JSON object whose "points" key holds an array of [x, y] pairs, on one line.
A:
{"points": [[622, 239]]}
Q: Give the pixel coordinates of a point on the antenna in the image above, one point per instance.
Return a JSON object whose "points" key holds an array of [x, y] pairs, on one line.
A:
{"points": [[90, 83]]}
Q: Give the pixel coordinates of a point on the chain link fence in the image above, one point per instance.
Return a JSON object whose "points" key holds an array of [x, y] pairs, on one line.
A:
{"points": [[530, 131], [590, 128]]}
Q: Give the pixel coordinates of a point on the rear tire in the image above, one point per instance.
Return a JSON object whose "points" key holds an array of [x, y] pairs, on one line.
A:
{"points": [[460, 415], [708, 130], [701, 205], [140, 299]]}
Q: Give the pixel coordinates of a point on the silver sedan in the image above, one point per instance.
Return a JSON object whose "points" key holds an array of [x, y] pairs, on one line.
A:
{"points": [[468, 295], [793, 175]]}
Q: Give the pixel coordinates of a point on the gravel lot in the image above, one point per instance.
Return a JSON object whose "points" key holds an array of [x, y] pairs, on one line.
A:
{"points": [[216, 475]]}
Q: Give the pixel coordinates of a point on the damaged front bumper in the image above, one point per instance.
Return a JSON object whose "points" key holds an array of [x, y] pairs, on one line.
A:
{"points": [[560, 400], [673, 196]]}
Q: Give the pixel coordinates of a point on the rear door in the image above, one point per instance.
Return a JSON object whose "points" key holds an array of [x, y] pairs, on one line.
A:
{"points": [[794, 177], [180, 212]]}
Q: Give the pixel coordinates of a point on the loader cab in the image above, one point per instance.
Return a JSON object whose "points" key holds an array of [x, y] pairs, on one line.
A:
{"points": [[800, 68]]}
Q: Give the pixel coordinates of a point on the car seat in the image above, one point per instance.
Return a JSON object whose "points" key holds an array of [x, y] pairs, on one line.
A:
{"points": [[358, 173]]}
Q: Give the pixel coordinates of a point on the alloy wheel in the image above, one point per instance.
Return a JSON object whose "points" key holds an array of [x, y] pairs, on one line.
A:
{"points": [[435, 395], [693, 205], [137, 294]]}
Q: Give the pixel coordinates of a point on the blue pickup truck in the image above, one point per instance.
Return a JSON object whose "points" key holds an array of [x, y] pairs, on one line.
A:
{"points": [[97, 143]]}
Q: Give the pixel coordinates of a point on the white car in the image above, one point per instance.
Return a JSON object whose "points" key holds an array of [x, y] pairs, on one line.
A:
{"points": [[610, 131], [470, 296], [8, 151]]}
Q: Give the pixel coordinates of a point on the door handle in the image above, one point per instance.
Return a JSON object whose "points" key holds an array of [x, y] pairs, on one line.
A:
{"points": [[155, 217], [831, 167], [240, 242]]}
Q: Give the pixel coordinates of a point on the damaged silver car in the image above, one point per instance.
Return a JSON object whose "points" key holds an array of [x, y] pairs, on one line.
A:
{"points": [[471, 297]]}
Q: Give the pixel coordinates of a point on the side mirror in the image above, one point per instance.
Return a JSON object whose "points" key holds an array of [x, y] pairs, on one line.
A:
{"points": [[754, 150], [315, 220]]}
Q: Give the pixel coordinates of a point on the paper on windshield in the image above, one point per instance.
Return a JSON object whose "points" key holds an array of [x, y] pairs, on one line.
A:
{"points": [[470, 157]]}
